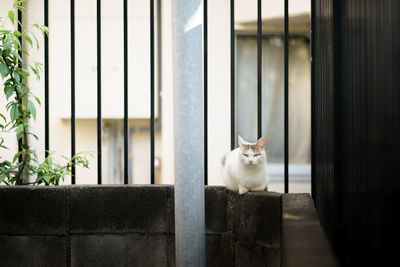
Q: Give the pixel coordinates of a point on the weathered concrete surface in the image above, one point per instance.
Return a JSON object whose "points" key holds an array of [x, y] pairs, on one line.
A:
{"points": [[216, 202], [32, 210], [119, 250], [257, 218], [304, 241], [44, 251], [134, 226], [219, 250], [118, 209], [257, 255]]}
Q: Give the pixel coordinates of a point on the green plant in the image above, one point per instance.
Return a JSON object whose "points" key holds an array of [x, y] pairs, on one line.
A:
{"points": [[21, 107]]}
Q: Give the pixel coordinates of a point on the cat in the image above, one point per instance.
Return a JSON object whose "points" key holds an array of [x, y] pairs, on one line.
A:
{"points": [[245, 168]]}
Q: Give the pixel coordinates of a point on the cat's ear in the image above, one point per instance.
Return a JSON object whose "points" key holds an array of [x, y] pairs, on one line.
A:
{"points": [[261, 143], [240, 140]]}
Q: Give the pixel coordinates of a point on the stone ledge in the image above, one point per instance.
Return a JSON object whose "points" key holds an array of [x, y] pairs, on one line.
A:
{"points": [[304, 241], [105, 222]]}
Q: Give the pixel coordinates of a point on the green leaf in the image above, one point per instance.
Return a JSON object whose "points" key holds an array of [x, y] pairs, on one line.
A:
{"points": [[34, 135], [22, 72], [5, 31], [35, 71], [20, 131], [32, 109], [7, 42], [18, 3], [8, 90], [3, 117], [17, 33], [3, 69], [38, 179], [25, 52], [15, 54], [36, 40], [16, 156], [37, 99], [47, 179], [14, 112], [28, 39], [11, 16], [17, 77], [17, 43]]}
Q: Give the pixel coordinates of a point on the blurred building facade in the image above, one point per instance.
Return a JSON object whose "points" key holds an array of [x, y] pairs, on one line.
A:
{"points": [[139, 85]]}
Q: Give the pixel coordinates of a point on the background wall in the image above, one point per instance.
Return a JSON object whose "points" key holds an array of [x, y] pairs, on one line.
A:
{"points": [[139, 86], [356, 126]]}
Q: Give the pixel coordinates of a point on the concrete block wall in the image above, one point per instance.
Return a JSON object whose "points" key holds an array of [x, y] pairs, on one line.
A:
{"points": [[132, 226]]}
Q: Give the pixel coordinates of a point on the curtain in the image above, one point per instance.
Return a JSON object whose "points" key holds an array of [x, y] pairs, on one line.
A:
{"points": [[273, 95]]}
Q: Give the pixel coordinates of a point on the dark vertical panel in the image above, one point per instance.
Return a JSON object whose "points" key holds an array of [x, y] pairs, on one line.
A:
{"points": [[323, 113], [259, 69], [72, 20], [126, 126], [152, 148], [98, 21], [46, 82], [205, 49], [286, 104], [356, 128], [232, 25]]}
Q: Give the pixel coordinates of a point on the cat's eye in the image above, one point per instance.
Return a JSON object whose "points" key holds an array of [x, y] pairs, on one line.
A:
{"points": [[245, 155], [256, 155]]}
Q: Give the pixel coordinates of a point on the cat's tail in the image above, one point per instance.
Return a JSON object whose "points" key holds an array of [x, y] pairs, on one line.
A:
{"points": [[223, 160]]}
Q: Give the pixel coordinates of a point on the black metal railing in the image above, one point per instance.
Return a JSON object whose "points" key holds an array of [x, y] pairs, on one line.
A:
{"points": [[72, 18], [152, 85]]}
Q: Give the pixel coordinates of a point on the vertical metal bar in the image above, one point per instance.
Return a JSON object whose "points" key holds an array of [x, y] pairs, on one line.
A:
{"points": [[259, 69], [126, 127], [232, 25], [72, 12], [286, 59], [19, 26], [313, 99], [152, 148], [46, 82], [98, 19], [188, 123], [205, 49]]}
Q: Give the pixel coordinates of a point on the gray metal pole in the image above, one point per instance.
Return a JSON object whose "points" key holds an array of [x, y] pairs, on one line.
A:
{"points": [[189, 133]]}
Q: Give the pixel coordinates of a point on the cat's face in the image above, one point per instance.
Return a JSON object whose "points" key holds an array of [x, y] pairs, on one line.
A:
{"points": [[252, 154]]}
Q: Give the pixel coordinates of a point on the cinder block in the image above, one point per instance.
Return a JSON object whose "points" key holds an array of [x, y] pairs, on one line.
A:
{"points": [[257, 256], [215, 209], [32, 251], [32, 210], [119, 250], [257, 218], [118, 209], [219, 250]]}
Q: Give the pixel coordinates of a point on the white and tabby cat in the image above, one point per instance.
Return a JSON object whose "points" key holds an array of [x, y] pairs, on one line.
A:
{"points": [[245, 168]]}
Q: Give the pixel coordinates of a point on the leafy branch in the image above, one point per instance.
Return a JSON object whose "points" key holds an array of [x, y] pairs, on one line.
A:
{"points": [[21, 107]]}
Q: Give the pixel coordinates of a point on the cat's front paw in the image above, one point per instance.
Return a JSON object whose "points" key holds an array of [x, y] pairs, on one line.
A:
{"points": [[243, 190]]}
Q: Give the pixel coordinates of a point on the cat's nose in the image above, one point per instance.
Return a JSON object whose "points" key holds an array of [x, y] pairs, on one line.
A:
{"points": [[250, 161]]}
